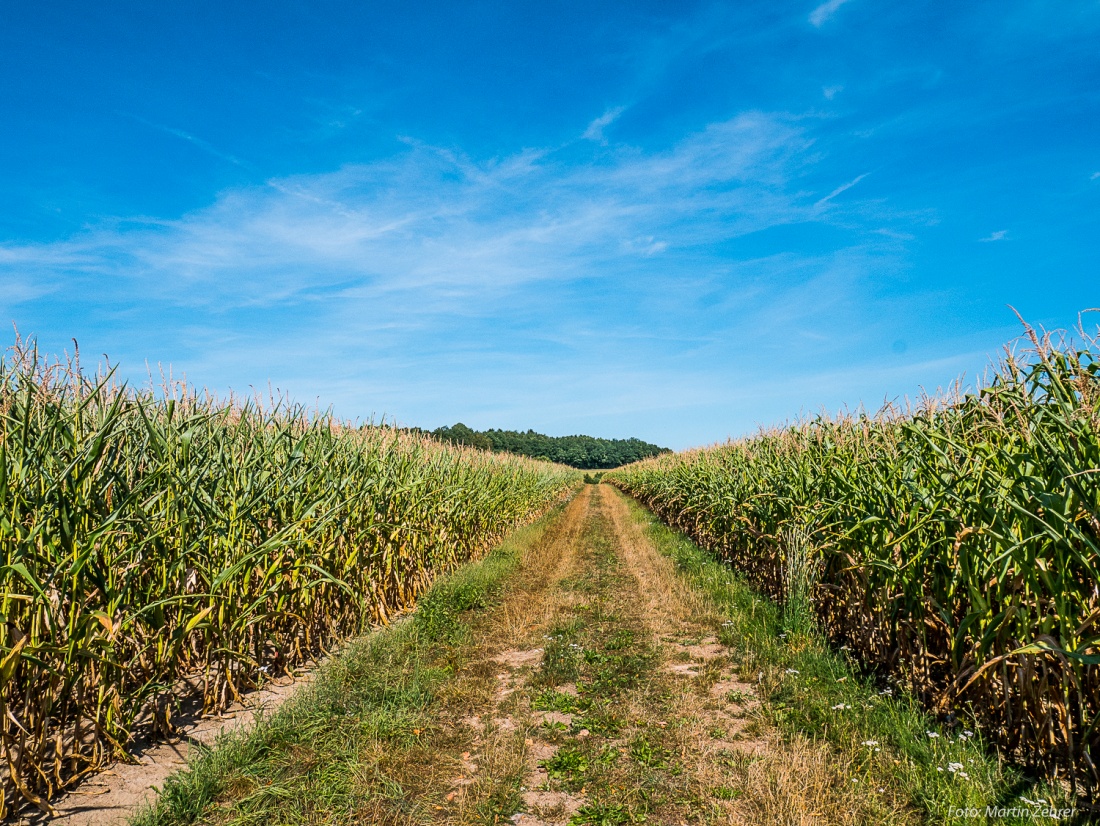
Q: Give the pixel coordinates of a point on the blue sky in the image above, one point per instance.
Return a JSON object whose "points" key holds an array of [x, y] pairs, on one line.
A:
{"points": [[676, 221]]}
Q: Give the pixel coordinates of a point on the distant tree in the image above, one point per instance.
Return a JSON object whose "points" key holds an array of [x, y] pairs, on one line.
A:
{"points": [[585, 452], [462, 435]]}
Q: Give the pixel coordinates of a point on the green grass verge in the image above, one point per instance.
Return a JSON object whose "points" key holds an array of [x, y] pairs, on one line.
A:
{"points": [[344, 748], [945, 772]]}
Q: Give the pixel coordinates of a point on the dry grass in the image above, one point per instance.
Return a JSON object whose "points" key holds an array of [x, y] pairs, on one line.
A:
{"points": [[800, 783]]}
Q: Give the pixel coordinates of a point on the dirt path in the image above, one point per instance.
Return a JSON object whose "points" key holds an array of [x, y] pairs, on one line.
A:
{"points": [[630, 707], [594, 689], [107, 798], [613, 699]]}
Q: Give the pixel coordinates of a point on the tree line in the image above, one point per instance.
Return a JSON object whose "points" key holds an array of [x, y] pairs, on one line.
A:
{"points": [[585, 452]]}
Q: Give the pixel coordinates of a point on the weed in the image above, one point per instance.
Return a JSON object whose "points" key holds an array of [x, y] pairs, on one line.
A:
{"points": [[726, 793], [622, 638], [800, 574], [645, 753], [503, 802], [550, 700], [603, 814], [561, 659], [567, 763], [599, 722]]}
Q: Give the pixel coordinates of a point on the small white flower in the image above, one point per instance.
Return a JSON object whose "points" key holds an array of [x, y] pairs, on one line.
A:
{"points": [[932, 734], [840, 707], [881, 789], [964, 775], [870, 742], [954, 767], [939, 768], [854, 780], [886, 692], [792, 670], [968, 733]]}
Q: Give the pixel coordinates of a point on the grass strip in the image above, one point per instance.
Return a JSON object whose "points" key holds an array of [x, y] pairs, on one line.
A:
{"points": [[361, 743], [610, 712], [943, 769]]}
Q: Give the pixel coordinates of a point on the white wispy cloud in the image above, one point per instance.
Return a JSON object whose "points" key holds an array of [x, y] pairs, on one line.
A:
{"points": [[498, 290], [17, 290], [826, 10], [831, 92], [594, 132], [841, 188], [194, 140], [430, 219], [998, 235]]}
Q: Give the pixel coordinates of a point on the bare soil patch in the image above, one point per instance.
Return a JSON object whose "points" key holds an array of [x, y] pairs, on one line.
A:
{"points": [[108, 797]]}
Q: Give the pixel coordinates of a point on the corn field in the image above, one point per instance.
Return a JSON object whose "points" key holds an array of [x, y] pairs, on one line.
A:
{"points": [[160, 545], [958, 543]]}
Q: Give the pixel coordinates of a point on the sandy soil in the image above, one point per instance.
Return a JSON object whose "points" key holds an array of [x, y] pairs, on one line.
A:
{"points": [[109, 797]]}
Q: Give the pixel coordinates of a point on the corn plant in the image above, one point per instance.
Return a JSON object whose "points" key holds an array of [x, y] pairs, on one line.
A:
{"points": [[157, 545], [958, 542]]}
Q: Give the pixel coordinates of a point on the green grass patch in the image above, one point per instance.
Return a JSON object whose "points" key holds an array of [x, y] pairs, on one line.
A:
{"points": [[599, 719], [550, 700], [568, 765], [599, 813], [562, 655]]}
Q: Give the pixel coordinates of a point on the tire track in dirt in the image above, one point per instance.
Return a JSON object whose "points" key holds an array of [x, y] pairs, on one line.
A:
{"points": [[622, 587], [504, 743], [680, 618], [729, 743]]}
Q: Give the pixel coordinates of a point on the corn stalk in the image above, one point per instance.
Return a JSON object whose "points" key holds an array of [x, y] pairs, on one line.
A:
{"points": [[958, 543], [149, 541]]}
